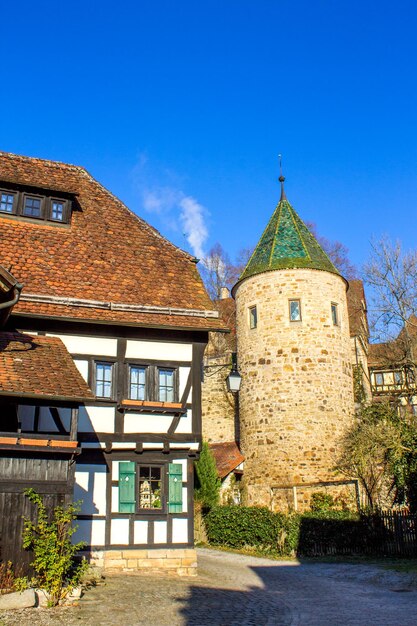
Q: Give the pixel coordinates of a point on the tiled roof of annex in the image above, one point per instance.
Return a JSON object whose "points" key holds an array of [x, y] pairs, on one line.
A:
{"points": [[106, 256], [39, 367], [227, 456]]}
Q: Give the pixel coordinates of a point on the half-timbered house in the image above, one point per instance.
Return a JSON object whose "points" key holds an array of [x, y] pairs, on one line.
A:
{"points": [[131, 310]]}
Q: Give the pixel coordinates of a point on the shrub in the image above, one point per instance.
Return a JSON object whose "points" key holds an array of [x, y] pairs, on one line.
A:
{"points": [[7, 577], [236, 527], [332, 531], [56, 570], [321, 501]]}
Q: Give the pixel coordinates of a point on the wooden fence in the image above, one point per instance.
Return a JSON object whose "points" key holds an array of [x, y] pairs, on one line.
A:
{"points": [[386, 533], [393, 533]]}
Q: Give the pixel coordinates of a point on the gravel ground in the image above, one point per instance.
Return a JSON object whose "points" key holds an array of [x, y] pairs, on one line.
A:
{"points": [[236, 590]]}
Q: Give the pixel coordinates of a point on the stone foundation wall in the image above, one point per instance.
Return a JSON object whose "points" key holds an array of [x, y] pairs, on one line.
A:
{"points": [[296, 398], [180, 562]]}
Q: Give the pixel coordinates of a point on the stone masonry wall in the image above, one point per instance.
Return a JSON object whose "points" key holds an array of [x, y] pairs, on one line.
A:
{"points": [[176, 561], [218, 406], [296, 398]]}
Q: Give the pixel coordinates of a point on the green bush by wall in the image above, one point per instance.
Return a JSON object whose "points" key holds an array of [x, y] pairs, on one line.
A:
{"points": [[283, 535]]}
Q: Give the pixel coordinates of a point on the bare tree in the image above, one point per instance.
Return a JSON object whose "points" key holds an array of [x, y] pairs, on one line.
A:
{"points": [[337, 252], [217, 271], [392, 276]]}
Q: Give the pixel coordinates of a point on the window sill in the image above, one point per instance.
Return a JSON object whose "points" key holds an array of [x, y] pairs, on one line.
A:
{"points": [[152, 407], [35, 444]]}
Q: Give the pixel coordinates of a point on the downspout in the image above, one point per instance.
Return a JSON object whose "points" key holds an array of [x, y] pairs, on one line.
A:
{"points": [[4, 315], [18, 288]]}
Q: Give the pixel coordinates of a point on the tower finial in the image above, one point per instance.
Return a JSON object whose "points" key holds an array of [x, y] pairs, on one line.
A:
{"points": [[281, 179]]}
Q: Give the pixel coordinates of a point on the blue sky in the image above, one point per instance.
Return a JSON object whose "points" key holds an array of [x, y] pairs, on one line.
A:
{"points": [[181, 108]]}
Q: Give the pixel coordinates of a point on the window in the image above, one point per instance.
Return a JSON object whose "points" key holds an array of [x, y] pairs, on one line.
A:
{"points": [[335, 314], [32, 206], [150, 488], [295, 310], [57, 210], [398, 379], [104, 379], [6, 202], [253, 317], [137, 382], [379, 379], [166, 385]]}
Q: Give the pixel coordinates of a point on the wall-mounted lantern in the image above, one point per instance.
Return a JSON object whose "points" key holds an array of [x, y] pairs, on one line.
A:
{"points": [[234, 379]]}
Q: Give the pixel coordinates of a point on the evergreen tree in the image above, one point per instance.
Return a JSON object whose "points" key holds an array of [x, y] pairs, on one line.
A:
{"points": [[208, 482]]}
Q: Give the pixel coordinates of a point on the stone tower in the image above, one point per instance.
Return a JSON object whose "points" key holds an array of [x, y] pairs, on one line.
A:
{"points": [[296, 397]]}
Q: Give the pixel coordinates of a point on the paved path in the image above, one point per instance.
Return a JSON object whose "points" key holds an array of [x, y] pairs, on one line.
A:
{"points": [[236, 590]]}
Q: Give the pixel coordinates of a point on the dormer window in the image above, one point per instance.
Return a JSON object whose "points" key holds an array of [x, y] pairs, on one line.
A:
{"points": [[57, 210], [21, 203], [32, 206], [7, 202]]}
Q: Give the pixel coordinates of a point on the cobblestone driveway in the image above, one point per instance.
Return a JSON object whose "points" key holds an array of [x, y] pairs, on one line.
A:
{"points": [[235, 590]]}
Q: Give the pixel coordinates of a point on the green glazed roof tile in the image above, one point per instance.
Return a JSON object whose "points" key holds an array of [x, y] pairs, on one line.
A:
{"points": [[287, 243]]}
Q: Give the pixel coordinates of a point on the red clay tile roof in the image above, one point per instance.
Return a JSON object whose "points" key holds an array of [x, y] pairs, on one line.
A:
{"points": [[107, 254], [227, 456], [39, 367], [356, 300], [386, 355]]}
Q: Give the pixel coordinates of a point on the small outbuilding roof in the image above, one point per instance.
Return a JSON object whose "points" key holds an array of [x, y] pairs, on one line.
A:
{"points": [[227, 456], [39, 367]]}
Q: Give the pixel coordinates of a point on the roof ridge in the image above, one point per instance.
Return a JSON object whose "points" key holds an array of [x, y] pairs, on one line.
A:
{"points": [[144, 223], [21, 157], [82, 170]]}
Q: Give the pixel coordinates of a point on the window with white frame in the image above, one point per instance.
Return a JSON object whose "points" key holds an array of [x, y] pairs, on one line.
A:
{"points": [[137, 382], [103, 379], [166, 385]]}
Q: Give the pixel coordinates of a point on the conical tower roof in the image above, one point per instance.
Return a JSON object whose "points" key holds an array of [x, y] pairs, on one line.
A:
{"points": [[286, 243]]}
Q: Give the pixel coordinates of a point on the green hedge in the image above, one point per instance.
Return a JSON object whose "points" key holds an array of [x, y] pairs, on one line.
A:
{"points": [[257, 527]]}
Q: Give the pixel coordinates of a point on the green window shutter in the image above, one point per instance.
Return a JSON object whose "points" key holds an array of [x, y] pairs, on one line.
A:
{"points": [[175, 488], [127, 500]]}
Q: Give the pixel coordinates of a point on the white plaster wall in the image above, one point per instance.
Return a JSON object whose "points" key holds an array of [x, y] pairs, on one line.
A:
{"points": [[96, 419], [119, 531], [185, 424], [160, 532], [115, 470], [114, 499], [90, 531], [93, 346], [140, 531], [158, 350], [90, 488], [184, 500], [179, 530], [82, 367], [146, 423], [184, 374]]}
